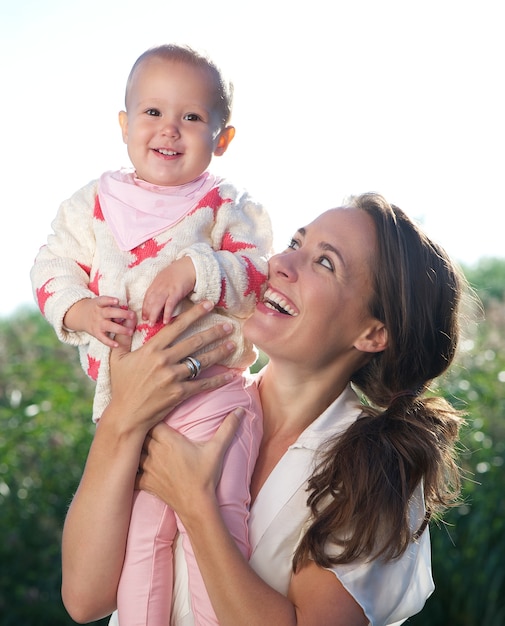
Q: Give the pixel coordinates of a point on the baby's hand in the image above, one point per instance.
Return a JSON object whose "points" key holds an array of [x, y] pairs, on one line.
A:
{"points": [[169, 287], [101, 317]]}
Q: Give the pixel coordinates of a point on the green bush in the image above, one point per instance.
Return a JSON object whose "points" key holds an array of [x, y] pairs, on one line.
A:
{"points": [[468, 547], [45, 433]]}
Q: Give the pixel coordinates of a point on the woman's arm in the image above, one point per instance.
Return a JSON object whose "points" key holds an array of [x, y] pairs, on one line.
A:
{"points": [[184, 475], [146, 385]]}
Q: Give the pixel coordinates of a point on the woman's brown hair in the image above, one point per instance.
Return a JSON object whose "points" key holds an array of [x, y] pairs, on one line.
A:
{"points": [[362, 488]]}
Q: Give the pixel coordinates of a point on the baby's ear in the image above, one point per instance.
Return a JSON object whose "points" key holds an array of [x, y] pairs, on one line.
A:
{"points": [[225, 138], [373, 339], [123, 122]]}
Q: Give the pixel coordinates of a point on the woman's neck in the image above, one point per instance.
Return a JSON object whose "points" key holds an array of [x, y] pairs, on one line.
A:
{"points": [[290, 404], [292, 401]]}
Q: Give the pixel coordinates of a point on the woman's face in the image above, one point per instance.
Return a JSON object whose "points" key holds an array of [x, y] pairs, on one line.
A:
{"points": [[316, 305]]}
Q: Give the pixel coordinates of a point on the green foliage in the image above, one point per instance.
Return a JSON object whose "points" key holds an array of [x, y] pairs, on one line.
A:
{"points": [[45, 433], [46, 430], [487, 278], [469, 546]]}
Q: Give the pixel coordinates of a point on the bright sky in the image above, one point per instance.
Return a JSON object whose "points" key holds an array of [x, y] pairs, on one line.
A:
{"points": [[332, 98]]}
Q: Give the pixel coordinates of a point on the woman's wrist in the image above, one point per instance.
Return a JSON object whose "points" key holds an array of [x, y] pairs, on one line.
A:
{"points": [[196, 511], [122, 426]]}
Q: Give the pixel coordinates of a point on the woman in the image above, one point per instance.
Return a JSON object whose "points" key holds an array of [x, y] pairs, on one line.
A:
{"points": [[341, 491]]}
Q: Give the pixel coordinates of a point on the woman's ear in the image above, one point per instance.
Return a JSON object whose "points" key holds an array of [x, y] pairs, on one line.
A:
{"points": [[373, 339], [225, 138]]}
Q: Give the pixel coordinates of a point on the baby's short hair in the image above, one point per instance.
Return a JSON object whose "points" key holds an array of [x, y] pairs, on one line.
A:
{"points": [[186, 54]]}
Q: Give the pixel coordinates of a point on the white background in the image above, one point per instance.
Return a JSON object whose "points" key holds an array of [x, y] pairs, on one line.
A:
{"points": [[332, 98]]}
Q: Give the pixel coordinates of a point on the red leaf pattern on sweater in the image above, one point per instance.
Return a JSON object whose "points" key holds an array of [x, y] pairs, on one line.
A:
{"points": [[93, 285], [85, 268], [231, 245], [149, 331], [255, 279], [42, 295], [97, 212], [222, 299], [147, 250], [93, 367], [211, 200]]}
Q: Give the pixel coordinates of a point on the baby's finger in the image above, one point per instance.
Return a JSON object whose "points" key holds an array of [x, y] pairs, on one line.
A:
{"points": [[182, 322], [152, 307], [168, 311]]}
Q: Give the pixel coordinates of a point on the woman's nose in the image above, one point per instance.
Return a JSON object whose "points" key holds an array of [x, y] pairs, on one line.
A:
{"points": [[283, 264]]}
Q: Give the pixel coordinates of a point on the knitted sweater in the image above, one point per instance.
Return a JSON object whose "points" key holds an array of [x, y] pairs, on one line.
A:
{"points": [[227, 235]]}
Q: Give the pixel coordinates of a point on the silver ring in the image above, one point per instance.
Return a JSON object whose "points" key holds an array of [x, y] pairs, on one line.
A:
{"points": [[194, 366]]}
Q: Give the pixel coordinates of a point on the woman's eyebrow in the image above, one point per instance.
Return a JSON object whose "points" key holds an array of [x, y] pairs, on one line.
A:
{"points": [[325, 246], [329, 248]]}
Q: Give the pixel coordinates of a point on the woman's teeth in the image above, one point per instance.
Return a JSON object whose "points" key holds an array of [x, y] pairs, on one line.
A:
{"points": [[276, 302]]}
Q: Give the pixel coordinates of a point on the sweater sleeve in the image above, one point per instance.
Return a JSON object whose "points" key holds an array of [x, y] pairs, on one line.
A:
{"points": [[61, 272], [233, 269]]}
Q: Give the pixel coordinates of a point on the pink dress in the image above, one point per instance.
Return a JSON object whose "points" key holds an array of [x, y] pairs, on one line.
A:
{"points": [[145, 589]]}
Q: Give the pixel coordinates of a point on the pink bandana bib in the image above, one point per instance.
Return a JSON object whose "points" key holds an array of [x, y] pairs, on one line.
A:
{"points": [[136, 211]]}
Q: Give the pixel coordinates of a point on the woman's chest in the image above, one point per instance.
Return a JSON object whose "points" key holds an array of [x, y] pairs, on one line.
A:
{"points": [[271, 452], [277, 521]]}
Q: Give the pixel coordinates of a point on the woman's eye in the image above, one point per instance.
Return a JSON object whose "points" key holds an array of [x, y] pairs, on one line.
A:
{"points": [[326, 262], [153, 112], [293, 244]]}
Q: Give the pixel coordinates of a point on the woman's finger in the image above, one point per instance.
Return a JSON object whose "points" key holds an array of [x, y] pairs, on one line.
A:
{"points": [[152, 380], [124, 341], [226, 431], [163, 343], [169, 459], [194, 344], [169, 333], [161, 433], [220, 442]]}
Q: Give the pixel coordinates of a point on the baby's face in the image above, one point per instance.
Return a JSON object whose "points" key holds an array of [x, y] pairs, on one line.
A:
{"points": [[172, 126]]}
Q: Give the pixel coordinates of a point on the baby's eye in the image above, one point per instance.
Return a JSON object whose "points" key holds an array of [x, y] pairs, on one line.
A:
{"points": [[293, 244], [326, 262], [153, 112], [192, 117]]}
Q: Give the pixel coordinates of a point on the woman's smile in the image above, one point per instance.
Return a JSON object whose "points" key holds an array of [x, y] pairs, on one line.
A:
{"points": [[276, 301]]}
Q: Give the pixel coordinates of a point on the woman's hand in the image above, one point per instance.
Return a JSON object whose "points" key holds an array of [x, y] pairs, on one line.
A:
{"points": [[151, 381], [180, 471]]}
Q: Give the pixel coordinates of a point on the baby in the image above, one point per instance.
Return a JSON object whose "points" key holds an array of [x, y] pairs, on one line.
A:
{"points": [[144, 244]]}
